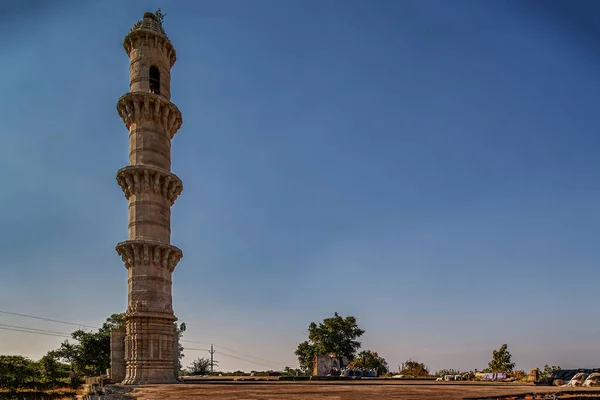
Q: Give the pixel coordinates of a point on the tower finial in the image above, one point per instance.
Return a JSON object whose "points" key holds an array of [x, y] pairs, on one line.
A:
{"points": [[159, 14]]}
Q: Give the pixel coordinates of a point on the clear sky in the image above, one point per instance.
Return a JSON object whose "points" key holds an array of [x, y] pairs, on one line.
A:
{"points": [[429, 167]]}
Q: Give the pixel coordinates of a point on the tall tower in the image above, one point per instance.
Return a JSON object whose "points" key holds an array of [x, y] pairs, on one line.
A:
{"points": [[151, 188]]}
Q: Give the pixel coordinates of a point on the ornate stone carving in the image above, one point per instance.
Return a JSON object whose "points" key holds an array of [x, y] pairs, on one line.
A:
{"points": [[135, 252], [146, 278], [134, 179], [136, 107], [156, 37], [150, 301]]}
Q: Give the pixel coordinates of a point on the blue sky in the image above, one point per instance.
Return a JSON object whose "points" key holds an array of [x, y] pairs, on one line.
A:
{"points": [[430, 167]]}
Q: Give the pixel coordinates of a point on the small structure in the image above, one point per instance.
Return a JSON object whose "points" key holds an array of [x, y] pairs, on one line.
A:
{"points": [[323, 365]]}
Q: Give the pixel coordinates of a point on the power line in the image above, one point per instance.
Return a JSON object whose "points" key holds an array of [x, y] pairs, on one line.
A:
{"points": [[35, 329], [194, 341], [39, 333], [243, 359], [47, 319], [232, 356], [247, 355], [235, 351]]}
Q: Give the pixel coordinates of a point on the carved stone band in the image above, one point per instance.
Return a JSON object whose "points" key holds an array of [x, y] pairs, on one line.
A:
{"points": [[138, 107], [159, 40], [133, 179], [149, 252]]}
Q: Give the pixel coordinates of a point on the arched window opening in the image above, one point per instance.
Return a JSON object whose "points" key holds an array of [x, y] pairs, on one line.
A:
{"points": [[154, 80]]}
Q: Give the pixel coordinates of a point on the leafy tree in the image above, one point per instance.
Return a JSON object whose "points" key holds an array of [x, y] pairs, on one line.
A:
{"points": [[17, 372], [289, 371], [368, 359], [306, 352], [501, 360], [90, 354], [518, 375], [51, 370], [413, 368], [335, 335], [469, 375], [548, 371], [91, 350], [200, 366], [180, 330]]}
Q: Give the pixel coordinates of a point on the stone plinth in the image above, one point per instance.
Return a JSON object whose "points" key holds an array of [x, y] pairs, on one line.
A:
{"points": [[117, 354]]}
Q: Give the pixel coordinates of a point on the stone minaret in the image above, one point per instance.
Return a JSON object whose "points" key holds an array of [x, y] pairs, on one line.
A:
{"points": [[151, 188]]}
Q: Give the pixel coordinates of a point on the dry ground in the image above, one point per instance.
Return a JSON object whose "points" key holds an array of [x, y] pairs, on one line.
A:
{"points": [[333, 390]]}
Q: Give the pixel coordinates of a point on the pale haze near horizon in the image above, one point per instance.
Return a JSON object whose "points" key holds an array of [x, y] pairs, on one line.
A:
{"points": [[428, 167]]}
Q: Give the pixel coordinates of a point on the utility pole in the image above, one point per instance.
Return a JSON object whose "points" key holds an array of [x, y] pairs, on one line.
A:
{"points": [[212, 351]]}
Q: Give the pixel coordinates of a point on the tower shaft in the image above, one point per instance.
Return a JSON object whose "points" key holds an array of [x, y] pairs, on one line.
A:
{"points": [[151, 189]]}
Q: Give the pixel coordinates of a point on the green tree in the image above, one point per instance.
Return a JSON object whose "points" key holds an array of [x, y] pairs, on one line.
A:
{"points": [[115, 321], [289, 371], [306, 352], [91, 350], [51, 370], [368, 359], [17, 372], [413, 368], [200, 366], [501, 360], [548, 371], [335, 335], [180, 330]]}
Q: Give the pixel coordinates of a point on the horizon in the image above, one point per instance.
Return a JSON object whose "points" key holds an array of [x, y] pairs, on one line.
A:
{"points": [[429, 168]]}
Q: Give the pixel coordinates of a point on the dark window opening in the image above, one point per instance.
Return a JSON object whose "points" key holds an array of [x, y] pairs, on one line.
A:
{"points": [[154, 80]]}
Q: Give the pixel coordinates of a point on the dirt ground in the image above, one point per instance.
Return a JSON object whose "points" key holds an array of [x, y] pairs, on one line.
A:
{"points": [[334, 390]]}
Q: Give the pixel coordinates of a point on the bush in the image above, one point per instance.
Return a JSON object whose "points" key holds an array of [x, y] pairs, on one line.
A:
{"points": [[200, 366], [18, 372], [368, 359], [547, 371], [518, 375], [413, 368]]}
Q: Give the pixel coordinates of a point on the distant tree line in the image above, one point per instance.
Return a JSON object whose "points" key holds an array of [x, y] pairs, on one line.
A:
{"points": [[338, 335], [18, 372]]}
